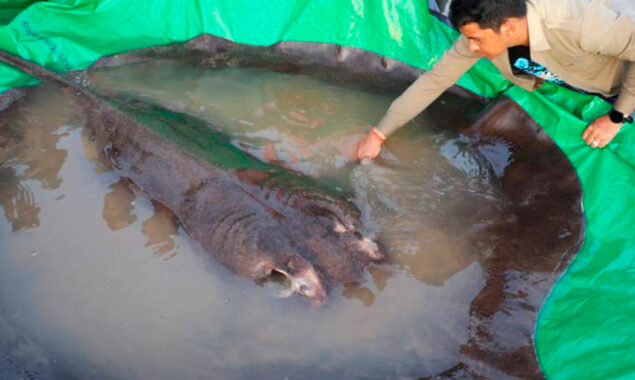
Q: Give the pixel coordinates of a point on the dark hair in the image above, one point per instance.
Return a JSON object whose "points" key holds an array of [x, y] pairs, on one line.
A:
{"points": [[486, 13]]}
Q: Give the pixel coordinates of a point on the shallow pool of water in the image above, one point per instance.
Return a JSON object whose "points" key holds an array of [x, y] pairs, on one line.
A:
{"points": [[97, 281]]}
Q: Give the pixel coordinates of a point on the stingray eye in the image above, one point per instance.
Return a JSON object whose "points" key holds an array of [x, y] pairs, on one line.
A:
{"points": [[320, 211], [339, 228], [304, 289]]}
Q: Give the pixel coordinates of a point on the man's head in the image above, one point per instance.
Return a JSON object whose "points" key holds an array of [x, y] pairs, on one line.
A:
{"points": [[491, 26]]}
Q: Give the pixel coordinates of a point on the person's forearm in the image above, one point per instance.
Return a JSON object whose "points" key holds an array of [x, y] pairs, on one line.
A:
{"points": [[414, 100], [608, 33], [428, 87], [625, 102]]}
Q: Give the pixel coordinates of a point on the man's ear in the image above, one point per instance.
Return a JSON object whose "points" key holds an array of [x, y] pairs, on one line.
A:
{"points": [[508, 28]]}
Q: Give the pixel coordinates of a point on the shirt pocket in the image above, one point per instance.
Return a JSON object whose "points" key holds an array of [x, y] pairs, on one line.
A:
{"points": [[581, 62]]}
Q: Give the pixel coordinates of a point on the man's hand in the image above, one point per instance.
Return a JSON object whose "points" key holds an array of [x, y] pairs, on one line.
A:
{"points": [[600, 132], [370, 146]]}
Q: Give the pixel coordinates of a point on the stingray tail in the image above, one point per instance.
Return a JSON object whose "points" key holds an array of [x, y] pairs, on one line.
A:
{"points": [[34, 69]]}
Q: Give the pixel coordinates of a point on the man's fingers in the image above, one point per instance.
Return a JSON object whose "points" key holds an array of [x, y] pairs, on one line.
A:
{"points": [[594, 141], [352, 154], [361, 152], [592, 136]]}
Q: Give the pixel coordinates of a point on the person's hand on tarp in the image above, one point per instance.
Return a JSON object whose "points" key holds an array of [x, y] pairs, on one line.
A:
{"points": [[601, 131]]}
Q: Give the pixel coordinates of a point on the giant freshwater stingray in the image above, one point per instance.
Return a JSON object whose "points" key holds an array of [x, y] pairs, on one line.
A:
{"points": [[528, 248], [254, 218]]}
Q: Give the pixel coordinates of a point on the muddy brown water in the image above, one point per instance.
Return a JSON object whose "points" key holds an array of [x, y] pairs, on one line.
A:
{"points": [[97, 281]]}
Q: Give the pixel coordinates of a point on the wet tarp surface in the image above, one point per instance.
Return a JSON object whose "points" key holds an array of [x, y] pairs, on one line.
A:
{"points": [[585, 329]]}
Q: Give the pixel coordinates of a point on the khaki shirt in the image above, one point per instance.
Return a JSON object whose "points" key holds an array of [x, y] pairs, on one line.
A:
{"points": [[584, 42]]}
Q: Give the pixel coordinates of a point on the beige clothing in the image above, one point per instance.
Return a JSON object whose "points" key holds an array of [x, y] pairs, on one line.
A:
{"points": [[583, 42]]}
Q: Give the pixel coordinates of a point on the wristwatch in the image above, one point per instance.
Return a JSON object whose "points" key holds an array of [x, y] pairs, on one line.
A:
{"points": [[618, 117]]}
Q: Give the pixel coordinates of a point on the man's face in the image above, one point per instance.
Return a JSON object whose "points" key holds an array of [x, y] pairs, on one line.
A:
{"points": [[486, 42]]}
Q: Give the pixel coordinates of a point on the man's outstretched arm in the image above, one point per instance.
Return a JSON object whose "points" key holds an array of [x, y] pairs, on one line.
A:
{"points": [[454, 63]]}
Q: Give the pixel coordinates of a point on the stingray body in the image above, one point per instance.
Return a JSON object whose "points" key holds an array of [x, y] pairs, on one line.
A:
{"points": [[524, 251], [254, 218]]}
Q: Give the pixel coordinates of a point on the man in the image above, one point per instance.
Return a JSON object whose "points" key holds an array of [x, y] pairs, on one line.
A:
{"points": [[577, 43]]}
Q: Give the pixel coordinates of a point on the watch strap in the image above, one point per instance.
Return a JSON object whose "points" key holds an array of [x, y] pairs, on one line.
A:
{"points": [[618, 117]]}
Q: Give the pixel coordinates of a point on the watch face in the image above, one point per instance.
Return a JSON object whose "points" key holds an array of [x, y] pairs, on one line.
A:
{"points": [[616, 116]]}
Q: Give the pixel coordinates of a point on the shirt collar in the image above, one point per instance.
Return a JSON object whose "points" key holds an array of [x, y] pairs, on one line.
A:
{"points": [[537, 39]]}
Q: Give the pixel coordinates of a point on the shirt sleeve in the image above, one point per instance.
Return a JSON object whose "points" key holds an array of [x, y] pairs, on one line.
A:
{"points": [[609, 33], [454, 63]]}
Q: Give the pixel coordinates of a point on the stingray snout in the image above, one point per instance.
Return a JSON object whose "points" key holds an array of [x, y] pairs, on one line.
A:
{"points": [[304, 279]]}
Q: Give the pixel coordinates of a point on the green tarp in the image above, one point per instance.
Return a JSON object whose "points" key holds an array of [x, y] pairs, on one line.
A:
{"points": [[585, 329]]}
